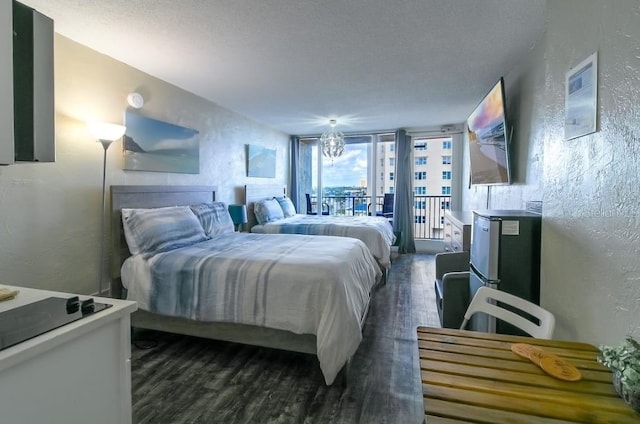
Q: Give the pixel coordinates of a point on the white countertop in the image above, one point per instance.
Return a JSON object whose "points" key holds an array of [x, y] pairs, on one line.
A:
{"points": [[27, 349]]}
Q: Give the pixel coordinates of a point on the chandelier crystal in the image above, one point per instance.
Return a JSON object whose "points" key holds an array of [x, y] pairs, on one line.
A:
{"points": [[332, 142]]}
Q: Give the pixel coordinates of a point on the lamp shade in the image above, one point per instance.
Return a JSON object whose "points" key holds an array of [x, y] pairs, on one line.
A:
{"points": [[238, 214], [106, 131]]}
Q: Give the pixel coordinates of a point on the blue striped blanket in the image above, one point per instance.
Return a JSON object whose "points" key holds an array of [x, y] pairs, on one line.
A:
{"points": [[304, 284], [375, 232]]}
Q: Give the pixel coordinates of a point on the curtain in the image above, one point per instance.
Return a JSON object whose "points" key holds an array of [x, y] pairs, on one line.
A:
{"points": [[294, 156], [403, 219]]}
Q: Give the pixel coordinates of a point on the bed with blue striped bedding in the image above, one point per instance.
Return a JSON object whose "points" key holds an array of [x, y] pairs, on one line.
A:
{"points": [[303, 284], [375, 232]]}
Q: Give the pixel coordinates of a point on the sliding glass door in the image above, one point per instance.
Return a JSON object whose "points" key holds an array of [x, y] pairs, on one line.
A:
{"points": [[355, 182], [432, 175]]}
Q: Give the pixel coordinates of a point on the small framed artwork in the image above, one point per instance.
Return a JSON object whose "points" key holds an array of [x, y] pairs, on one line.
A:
{"points": [[261, 162], [152, 145], [581, 98]]}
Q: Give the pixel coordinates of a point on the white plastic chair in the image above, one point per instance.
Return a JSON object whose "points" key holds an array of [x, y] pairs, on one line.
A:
{"points": [[481, 303]]}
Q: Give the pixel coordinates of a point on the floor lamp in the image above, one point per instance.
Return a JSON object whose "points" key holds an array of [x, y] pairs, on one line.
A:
{"points": [[106, 134]]}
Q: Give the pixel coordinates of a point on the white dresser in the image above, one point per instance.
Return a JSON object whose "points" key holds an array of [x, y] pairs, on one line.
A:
{"points": [[457, 230], [77, 373]]}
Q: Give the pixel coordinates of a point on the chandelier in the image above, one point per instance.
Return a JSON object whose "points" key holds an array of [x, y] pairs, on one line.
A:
{"points": [[332, 142]]}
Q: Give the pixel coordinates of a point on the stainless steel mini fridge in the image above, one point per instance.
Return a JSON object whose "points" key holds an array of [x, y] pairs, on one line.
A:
{"points": [[505, 255]]}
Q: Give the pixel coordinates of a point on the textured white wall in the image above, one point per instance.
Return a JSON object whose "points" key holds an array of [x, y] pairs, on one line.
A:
{"points": [[50, 213], [591, 271], [589, 186]]}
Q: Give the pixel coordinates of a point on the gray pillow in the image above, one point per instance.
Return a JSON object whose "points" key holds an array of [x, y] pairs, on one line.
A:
{"points": [[287, 206], [152, 231], [214, 218], [267, 210]]}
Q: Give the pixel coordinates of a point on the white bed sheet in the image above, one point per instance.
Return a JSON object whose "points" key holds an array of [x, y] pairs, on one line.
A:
{"points": [[304, 284]]}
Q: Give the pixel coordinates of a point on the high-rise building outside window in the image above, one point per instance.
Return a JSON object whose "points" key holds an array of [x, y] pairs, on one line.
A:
{"points": [[422, 166]]}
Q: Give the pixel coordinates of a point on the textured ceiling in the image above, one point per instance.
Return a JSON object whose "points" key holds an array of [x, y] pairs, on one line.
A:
{"points": [[293, 64]]}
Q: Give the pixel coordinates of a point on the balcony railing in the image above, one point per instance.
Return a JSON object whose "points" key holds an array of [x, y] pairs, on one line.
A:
{"points": [[428, 211]]}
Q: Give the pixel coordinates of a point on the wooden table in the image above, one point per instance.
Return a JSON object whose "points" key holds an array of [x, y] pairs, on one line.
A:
{"points": [[474, 377]]}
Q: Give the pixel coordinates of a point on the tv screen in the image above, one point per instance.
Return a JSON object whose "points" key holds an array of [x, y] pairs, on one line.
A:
{"points": [[488, 143]]}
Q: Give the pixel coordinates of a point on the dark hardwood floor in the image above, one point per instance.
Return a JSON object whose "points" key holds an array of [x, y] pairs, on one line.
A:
{"points": [[190, 380]]}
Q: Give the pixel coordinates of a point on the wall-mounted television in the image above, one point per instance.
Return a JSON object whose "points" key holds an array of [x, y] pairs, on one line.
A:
{"points": [[488, 139]]}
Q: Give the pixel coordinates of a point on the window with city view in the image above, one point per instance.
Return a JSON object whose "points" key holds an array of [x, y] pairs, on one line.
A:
{"points": [[355, 183]]}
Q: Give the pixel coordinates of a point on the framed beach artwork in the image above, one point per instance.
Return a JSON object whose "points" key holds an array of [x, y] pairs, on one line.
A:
{"points": [[261, 162], [152, 145], [581, 98]]}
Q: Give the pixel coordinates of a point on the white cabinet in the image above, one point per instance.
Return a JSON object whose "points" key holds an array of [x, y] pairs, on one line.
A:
{"points": [[78, 373], [6, 83], [27, 105], [33, 86], [457, 230]]}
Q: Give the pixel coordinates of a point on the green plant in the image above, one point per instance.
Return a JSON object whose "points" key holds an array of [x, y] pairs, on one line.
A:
{"points": [[625, 360]]}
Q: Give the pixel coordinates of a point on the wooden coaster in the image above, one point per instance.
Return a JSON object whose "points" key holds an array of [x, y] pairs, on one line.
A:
{"points": [[525, 350], [559, 368], [536, 356]]}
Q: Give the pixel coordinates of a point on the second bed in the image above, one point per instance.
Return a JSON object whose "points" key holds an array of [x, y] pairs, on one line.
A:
{"points": [[375, 232]]}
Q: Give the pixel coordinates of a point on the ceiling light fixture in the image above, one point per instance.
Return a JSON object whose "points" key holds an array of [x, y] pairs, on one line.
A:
{"points": [[332, 142]]}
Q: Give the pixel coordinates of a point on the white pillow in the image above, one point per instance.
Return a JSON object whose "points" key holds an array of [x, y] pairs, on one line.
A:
{"points": [[287, 206], [214, 218], [152, 231], [267, 210]]}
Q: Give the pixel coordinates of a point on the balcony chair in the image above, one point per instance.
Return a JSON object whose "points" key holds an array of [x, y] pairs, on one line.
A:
{"points": [[486, 300], [387, 207], [310, 211], [452, 287]]}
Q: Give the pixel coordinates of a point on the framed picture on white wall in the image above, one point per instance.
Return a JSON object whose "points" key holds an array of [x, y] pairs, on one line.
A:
{"points": [[581, 98], [153, 145], [261, 161]]}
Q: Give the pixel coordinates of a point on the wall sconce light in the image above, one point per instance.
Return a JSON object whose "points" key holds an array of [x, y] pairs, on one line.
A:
{"points": [[238, 215], [106, 134], [135, 100]]}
